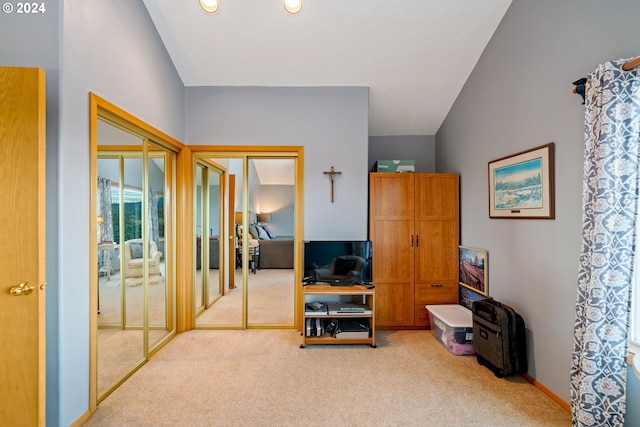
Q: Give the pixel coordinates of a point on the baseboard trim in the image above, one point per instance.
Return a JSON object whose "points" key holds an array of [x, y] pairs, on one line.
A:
{"points": [[83, 418], [564, 405]]}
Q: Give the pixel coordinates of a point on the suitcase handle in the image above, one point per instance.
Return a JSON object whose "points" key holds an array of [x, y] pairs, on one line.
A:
{"points": [[487, 314]]}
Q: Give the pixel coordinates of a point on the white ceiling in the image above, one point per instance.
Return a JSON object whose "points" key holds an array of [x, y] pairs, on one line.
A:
{"points": [[414, 55], [275, 171]]}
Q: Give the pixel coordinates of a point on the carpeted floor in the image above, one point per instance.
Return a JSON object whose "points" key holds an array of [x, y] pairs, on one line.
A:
{"points": [[270, 301], [262, 378]]}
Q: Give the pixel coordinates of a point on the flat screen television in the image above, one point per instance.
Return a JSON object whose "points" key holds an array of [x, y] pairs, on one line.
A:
{"points": [[337, 261]]}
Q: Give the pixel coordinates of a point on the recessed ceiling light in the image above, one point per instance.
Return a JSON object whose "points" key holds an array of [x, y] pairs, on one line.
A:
{"points": [[210, 6], [293, 6]]}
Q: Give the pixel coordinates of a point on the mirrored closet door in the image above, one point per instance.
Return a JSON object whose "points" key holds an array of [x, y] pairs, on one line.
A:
{"points": [[209, 241], [135, 286], [271, 228], [259, 289]]}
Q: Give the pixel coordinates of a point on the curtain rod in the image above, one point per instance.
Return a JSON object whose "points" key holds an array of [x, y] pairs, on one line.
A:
{"points": [[630, 65], [580, 83]]}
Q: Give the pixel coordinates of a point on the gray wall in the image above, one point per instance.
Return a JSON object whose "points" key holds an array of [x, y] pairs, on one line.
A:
{"points": [[421, 148], [111, 48], [519, 96], [279, 201], [32, 41], [332, 125]]}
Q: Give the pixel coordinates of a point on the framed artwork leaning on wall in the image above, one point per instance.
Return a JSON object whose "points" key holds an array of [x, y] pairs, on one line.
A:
{"points": [[473, 269]]}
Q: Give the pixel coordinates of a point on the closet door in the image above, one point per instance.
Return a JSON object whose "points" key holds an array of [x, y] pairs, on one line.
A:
{"points": [[135, 250], [159, 291], [259, 184], [271, 201], [216, 305], [391, 209], [201, 249], [121, 299], [436, 250]]}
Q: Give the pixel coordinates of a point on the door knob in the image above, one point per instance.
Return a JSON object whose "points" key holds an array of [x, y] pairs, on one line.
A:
{"points": [[25, 288]]}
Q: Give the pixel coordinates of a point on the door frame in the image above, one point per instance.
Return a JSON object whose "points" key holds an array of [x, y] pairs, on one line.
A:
{"points": [[100, 107]]}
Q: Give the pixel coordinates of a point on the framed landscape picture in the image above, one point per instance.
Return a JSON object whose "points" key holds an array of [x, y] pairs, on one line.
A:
{"points": [[473, 269], [467, 297], [522, 185]]}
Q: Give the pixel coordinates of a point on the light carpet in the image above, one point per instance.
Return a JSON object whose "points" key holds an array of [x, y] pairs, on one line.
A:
{"points": [[154, 279], [262, 378], [270, 300]]}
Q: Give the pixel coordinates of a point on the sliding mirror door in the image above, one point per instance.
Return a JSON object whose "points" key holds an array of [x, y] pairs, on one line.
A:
{"points": [[120, 307], [263, 197], [199, 283], [215, 227], [271, 202], [216, 305], [135, 250], [159, 290]]}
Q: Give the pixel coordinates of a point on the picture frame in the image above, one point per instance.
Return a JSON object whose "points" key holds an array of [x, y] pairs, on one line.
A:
{"points": [[473, 269], [522, 185], [468, 296]]}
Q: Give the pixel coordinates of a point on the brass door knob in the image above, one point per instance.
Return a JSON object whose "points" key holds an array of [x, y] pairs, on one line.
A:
{"points": [[24, 288]]}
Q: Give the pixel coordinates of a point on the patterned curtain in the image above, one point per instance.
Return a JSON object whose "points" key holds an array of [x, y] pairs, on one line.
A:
{"points": [[105, 216], [154, 225], [610, 199]]}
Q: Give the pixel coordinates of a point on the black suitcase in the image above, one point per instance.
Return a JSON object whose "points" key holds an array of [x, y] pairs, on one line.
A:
{"points": [[499, 338]]}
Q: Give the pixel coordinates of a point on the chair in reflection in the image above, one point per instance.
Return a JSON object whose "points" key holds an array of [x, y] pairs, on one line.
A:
{"points": [[133, 258]]}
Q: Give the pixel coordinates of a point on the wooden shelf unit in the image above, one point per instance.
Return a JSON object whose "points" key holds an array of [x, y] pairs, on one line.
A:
{"points": [[328, 293]]}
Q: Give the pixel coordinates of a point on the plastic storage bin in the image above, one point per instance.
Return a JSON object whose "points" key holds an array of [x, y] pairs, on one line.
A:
{"points": [[452, 325]]}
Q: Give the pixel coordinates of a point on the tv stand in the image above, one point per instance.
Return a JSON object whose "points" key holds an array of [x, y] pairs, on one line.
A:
{"points": [[357, 294]]}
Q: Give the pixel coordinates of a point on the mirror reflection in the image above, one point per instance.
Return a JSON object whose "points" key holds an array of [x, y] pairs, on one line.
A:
{"points": [[264, 277], [135, 298], [271, 231], [158, 289], [199, 280], [214, 288], [217, 304], [119, 201]]}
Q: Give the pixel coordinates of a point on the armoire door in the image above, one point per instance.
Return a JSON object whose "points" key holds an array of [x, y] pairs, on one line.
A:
{"points": [[436, 249], [391, 210]]}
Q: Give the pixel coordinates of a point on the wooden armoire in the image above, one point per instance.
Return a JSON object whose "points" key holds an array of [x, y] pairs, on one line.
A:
{"points": [[414, 224]]}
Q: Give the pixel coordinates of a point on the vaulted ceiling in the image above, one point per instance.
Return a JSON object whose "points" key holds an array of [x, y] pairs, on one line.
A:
{"points": [[414, 55]]}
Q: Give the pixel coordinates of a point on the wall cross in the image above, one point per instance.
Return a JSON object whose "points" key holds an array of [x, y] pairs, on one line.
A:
{"points": [[331, 174]]}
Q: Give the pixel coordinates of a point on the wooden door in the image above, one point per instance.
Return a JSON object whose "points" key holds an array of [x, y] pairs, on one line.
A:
{"points": [[436, 251], [437, 228], [22, 260], [391, 230]]}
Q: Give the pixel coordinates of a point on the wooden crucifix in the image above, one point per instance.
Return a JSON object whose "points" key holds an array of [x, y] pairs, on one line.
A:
{"points": [[331, 174]]}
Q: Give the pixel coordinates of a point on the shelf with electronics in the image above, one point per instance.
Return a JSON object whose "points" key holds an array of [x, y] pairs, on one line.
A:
{"points": [[338, 314]]}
